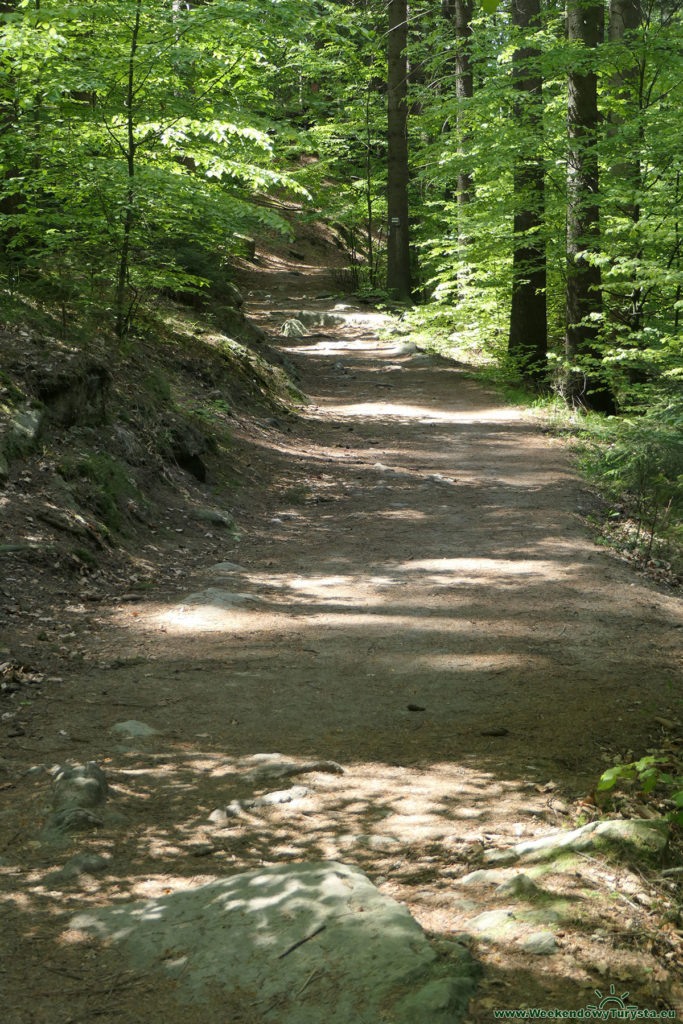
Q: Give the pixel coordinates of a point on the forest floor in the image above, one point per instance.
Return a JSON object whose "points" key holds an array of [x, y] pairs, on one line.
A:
{"points": [[415, 594]]}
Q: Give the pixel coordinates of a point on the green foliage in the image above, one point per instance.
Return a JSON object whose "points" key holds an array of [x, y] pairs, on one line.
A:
{"points": [[649, 773], [640, 461]]}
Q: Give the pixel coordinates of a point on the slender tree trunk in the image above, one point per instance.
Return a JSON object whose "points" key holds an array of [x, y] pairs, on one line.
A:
{"points": [[398, 246], [584, 285], [625, 16], [122, 307], [464, 88], [528, 338]]}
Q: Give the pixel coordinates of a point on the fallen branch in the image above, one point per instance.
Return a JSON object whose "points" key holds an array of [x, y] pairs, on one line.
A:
{"points": [[307, 938]]}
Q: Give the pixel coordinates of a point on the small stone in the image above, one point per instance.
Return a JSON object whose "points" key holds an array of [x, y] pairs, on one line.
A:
{"points": [[293, 329], [215, 517], [227, 567], [219, 817], [483, 876], [279, 796], [518, 885], [540, 943], [491, 919], [133, 729]]}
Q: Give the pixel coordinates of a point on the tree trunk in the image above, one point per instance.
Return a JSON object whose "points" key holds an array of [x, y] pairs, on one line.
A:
{"points": [[625, 16], [398, 245], [584, 285], [122, 306], [528, 338], [464, 88]]}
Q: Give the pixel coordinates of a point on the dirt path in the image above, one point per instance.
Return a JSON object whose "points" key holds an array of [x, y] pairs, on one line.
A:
{"points": [[416, 597]]}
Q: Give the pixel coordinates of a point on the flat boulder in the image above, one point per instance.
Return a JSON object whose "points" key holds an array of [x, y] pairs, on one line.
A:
{"points": [[316, 940]]}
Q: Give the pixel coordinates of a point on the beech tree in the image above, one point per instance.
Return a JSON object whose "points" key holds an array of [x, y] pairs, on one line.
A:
{"points": [[398, 245], [584, 296], [528, 338]]}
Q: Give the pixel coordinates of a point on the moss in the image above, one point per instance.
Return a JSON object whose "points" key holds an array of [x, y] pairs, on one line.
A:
{"points": [[102, 483]]}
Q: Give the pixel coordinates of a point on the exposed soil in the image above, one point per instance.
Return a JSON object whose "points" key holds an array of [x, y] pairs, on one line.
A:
{"points": [[422, 602]]}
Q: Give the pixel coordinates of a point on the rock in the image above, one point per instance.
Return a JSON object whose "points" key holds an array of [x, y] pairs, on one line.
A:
{"points": [[233, 294], [540, 943], [318, 318], [226, 567], [133, 729], [492, 876], [648, 836], [237, 807], [187, 446], [281, 796], [24, 430], [317, 940], [215, 517], [79, 864], [293, 329], [518, 885], [404, 348], [274, 766], [78, 786], [492, 923], [71, 819], [214, 597]]}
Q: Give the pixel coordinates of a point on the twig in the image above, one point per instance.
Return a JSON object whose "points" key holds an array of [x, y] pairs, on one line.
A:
{"points": [[307, 938], [309, 979], [672, 871]]}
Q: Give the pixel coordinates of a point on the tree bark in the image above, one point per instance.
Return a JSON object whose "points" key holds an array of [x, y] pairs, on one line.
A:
{"points": [[464, 88], [585, 20], [122, 307], [528, 338], [398, 245], [625, 16]]}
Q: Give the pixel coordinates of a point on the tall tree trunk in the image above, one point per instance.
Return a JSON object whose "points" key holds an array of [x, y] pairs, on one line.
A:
{"points": [[464, 88], [625, 16], [121, 304], [528, 338], [398, 245], [584, 285]]}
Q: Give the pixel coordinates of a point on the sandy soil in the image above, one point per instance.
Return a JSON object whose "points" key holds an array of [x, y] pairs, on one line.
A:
{"points": [[421, 601]]}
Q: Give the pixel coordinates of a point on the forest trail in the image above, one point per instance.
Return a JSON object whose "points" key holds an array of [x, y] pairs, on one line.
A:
{"points": [[416, 597]]}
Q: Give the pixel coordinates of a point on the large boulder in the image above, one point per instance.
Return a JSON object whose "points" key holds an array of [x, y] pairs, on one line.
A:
{"points": [[316, 941]]}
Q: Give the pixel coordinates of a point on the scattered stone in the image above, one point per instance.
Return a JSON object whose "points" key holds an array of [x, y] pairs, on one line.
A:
{"points": [[274, 766], [227, 567], [78, 786], [492, 923], [647, 836], [79, 864], [215, 517], [293, 329], [405, 348], [133, 729], [540, 943], [318, 318], [518, 885], [317, 940], [237, 807], [483, 876]]}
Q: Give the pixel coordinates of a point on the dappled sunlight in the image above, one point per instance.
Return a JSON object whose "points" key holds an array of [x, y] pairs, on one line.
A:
{"points": [[421, 414]]}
